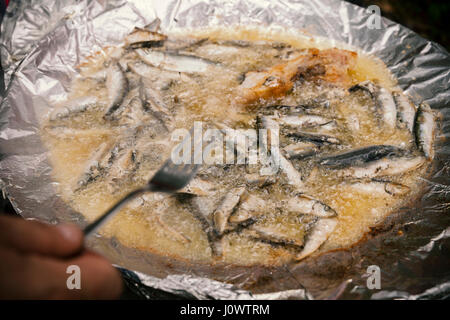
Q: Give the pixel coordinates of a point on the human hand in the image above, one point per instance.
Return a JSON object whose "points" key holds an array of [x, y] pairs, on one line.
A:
{"points": [[34, 259]]}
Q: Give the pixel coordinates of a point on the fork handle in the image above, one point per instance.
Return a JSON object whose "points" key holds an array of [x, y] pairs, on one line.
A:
{"points": [[91, 228]]}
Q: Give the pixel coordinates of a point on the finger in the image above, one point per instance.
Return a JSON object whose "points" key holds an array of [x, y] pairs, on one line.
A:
{"points": [[42, 277], [99, 279], [39, 238]]}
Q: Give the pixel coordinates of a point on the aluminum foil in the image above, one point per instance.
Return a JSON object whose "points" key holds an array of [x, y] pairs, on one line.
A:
{"points": [[42, 41]]}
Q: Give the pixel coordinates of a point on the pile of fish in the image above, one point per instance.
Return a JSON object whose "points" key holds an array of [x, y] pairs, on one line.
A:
{"points": [[135, 78]]}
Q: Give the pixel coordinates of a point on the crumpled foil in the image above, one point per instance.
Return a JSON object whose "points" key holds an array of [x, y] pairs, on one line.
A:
{"points": [[42, 41]]}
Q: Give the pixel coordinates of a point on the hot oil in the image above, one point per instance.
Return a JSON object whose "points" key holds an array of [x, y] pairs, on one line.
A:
{"points": [[166, 226]]}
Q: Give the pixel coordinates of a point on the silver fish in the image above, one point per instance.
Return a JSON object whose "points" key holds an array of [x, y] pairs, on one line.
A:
{"points": [[373, 161], [406, 111], [74, 107], [226, 208], [286, 109], [237, 143], [306, 204], [384, 102], [254, 179], [117, 84], [361, 156], [384, 167], [173, 61], [302, 121], [203, 208], [161, 79], [317, 138], [153, 103], [122, 169], [293, 176], [317, 236], [127, 103], [249, 44], [291, 234], [274, 237], [251, 207], [425, 130], [300, 150], [374, 186], [132, 114], [94, 166], [218, 49], [184, 44]]}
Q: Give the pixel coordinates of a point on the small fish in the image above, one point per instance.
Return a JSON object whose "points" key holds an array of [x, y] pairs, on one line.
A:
{"points": [[184, 44], [216, 50], [406, 111], [161, 79], [251, 207], [361, 156], [133, 113], [153, 103], [122, 169], [142, 38], [425, 130], [300, 150], [259, 181], [127, 103], [203, 208], [286, 230], [319, 233], [74, 107], [389, 166], [285, 109], [173, 61], [275, 237], [117, 84], [225, 209], [313, 137], [373, 186], [304, 121], [94, 166], [306, 204], [253, 44], [237, 142], [293, 176], [373, 161], [272, 127], [384, 101]]}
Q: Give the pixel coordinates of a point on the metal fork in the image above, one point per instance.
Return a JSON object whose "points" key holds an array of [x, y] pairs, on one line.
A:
{"points": [[169, 178]]}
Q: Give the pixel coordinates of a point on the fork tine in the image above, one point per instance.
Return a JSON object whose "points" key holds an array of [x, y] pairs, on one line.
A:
{"points": [[169, 178]]}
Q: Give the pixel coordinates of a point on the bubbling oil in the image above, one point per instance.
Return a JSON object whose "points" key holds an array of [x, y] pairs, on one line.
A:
{"points": [[156, 222]]}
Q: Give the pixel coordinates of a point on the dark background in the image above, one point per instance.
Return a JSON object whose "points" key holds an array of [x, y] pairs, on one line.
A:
{"points": [[429, 18]]}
